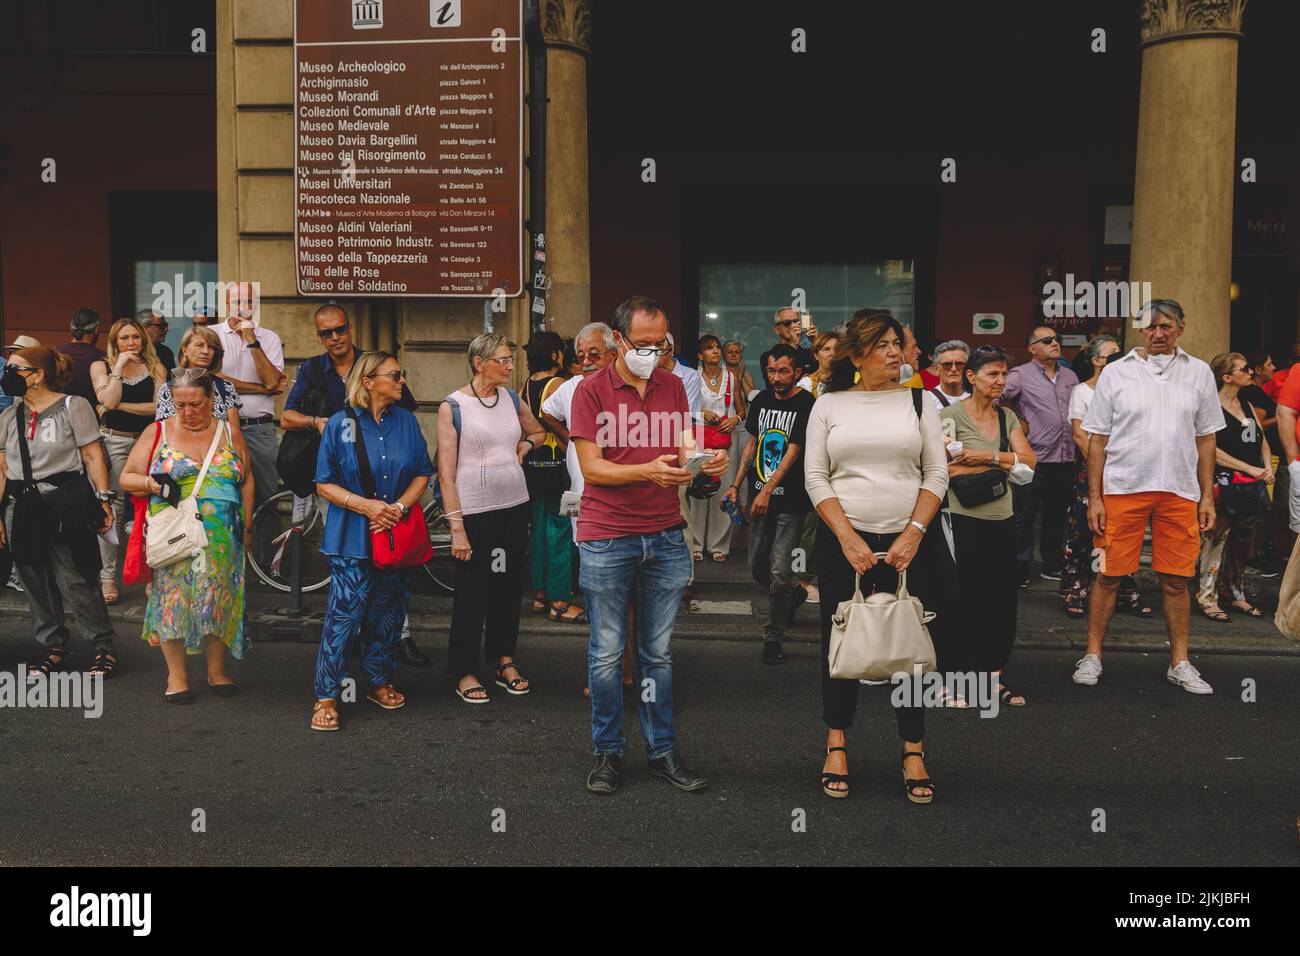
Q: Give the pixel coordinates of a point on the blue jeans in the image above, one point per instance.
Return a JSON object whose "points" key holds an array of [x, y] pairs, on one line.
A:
{"points": [[652, 571]]}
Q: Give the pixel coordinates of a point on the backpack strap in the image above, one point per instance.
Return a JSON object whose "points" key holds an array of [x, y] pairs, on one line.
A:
{"points": [[1003, 443], [455, 415], [938, 394], [514, 397], [917, 393]]}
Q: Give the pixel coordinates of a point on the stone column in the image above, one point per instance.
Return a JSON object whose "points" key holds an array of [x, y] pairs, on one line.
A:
{"points": [[1182, 197], [567, 25]]}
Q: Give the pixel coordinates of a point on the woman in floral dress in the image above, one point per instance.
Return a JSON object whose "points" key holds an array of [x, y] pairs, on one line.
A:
{"points": [[197, 604]]}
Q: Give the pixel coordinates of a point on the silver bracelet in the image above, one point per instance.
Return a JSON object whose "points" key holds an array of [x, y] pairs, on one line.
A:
{"points": [[345, 502]]}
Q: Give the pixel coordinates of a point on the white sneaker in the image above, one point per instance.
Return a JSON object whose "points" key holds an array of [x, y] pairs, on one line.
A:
{"points": [[814, 595], [14, 583], [1088, 670], [1188, 678]]}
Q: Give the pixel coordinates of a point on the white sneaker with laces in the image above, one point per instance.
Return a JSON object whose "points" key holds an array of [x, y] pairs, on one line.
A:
{"points": [[1188, 678], [1088, 670]]}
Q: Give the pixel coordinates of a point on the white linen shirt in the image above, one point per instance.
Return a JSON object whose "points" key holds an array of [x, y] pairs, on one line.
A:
{"points": [[238, 363], [1152, 422], [691, 382]]}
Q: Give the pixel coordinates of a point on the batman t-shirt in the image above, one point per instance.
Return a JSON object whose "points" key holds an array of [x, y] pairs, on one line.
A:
{"points": [[775, 424]]}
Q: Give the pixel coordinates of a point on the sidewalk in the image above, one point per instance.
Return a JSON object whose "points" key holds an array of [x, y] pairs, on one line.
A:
{"points": [[728, 606]]}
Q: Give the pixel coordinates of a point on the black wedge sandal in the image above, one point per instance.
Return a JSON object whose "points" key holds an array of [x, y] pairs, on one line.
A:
{"points": [[55, 660], [911, 785], [512, 686], [829, 778]]}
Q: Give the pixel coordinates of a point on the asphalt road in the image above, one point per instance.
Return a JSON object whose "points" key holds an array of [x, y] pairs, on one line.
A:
{"points": [[1182, 779]]}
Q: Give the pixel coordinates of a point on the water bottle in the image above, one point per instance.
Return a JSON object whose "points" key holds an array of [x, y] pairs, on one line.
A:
{"points": [[729, 506]]}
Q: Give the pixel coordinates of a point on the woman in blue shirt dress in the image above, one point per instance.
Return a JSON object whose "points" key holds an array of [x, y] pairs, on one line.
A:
{"points": [[366, 603]]}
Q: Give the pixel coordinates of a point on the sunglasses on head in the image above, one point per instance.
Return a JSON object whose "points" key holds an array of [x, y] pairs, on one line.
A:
{"points": [[330, 333]]}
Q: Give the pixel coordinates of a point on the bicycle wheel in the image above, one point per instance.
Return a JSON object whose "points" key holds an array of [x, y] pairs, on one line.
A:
{"points": [[440, 567], [270, 554]]}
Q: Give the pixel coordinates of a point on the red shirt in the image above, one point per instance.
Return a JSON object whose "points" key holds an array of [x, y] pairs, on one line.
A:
{"points": [[1274, 385], [629, 430], [928, 379], [1289, 395]]}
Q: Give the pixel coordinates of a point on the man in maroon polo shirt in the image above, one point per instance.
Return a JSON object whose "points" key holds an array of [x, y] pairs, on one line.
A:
{"points": [[631, 426]]}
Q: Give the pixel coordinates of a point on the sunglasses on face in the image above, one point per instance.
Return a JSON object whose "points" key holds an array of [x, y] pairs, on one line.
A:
{"points": [[952, 366], [395, 376], [18, 368], [1045, 340], [324, 334], [594, 355], [788, 322]]}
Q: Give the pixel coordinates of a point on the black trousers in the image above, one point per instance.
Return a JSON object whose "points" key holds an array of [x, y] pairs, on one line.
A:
{"points": [[1053, 490], [487, 588], [931, 577], [986, 570]]}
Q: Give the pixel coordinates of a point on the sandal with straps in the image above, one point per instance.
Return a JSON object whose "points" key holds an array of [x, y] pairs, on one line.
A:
{"points": [[1215, 613], [392, 699], [328, 707], [557, 615], [829, 778], [512, 686], [911, 785], [55, 660], [104, 663], [1249, 610]]}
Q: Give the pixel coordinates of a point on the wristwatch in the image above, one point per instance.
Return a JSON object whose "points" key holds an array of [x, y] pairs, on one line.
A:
{"points": [[917, 525], [107, 496], [254, 344], [402, 508]]}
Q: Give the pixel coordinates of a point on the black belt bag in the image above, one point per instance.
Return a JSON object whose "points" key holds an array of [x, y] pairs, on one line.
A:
{"points": [[984, 486]]}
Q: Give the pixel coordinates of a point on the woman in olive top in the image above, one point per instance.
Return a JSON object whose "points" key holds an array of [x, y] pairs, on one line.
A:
{"points": [[984, 535]]}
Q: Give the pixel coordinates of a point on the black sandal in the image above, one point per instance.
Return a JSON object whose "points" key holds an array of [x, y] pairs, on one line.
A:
{"points": [[912, 785], [556, 614], [55, 660], [1215, 613], [1249, 610], [511, 687], [829, 778], [104, 663], [1005, 694]]}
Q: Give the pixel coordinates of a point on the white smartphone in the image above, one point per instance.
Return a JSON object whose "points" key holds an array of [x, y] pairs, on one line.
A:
{"points": [[696, 461], [805, 320]]}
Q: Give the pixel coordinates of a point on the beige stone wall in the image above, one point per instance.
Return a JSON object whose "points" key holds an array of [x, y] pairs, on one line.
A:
{"points": [[255, 217]]}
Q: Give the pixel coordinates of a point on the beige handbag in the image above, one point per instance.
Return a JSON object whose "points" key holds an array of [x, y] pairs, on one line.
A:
{"points": [[877, 637], [176, 534]]}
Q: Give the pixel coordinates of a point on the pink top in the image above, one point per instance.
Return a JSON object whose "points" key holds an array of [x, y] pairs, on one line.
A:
{"points": [[488, 474]]}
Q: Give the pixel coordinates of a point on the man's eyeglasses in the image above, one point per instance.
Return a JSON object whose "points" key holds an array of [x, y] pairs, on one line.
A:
{"points": [[324, 334], [788, 322], [952, 366], [592, 355], [1046, 340], [660, 350], [395, 376]]}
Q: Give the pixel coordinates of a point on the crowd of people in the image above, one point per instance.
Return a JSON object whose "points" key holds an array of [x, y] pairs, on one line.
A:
{"points": [[853, 445]]}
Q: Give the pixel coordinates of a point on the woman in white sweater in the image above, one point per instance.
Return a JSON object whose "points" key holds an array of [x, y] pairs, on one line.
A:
{"points": [[876, 472]]}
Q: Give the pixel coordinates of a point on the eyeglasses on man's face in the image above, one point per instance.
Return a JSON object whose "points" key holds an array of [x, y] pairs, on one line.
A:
{"points": [[326, 334], [788, 322], [662, 349], [952, 366], [592, 355]]}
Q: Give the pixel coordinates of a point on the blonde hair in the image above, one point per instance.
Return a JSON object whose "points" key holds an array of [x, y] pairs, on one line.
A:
{"points": [[207, 335], [366, 366], [147, 354]]}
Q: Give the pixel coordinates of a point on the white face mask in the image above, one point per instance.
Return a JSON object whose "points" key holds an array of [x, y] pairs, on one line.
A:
{"points": [[905, 372], [642, 366], [1020, 474], [1161, 363]]}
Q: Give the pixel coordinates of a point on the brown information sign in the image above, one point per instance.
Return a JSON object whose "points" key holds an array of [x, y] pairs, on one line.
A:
{"points": [[408, 145]]}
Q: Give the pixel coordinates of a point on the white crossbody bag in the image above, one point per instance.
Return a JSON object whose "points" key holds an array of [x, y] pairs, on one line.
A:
{"points": [[176, 534], [877, 637]]}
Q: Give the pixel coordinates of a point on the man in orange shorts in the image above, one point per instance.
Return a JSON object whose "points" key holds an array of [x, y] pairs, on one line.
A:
{"points": [[1151, 461]]}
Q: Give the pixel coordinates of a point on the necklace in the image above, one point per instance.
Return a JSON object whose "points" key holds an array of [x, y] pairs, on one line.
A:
{"points": [[480, 398], [200, 431]]}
